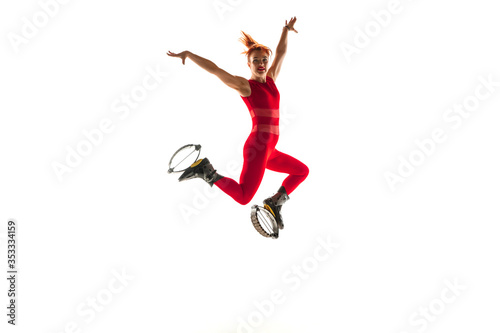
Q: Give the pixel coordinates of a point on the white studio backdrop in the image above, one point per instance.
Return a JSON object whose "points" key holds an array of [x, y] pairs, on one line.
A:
{"points": [[393, 105]]}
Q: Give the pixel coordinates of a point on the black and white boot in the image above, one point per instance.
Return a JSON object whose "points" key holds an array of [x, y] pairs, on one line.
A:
{"points": [[274, 203], [201, 169]]}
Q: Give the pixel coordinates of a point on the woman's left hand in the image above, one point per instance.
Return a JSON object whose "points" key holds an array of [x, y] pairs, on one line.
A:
{"points": [[292, 22]]}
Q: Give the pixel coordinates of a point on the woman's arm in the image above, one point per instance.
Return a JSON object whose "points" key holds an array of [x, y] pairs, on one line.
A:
{"points": [[281, 49], [236, 82]]}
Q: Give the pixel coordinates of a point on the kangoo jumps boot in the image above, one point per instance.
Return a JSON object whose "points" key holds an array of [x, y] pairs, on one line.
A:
{"points": [[201, 169], [274, 203]]}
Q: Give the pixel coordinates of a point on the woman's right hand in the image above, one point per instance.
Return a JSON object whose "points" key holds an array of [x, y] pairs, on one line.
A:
{"points": [[181, 55]]}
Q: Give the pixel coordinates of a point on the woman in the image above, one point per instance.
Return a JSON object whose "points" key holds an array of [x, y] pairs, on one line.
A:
{"points": [[262, 99]]}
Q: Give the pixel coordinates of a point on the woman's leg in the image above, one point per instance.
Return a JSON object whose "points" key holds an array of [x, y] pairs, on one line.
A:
{"points": [[256, 152], [284, 163]]}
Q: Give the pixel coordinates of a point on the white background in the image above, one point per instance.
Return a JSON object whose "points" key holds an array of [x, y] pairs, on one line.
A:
{"points": [[205, 270]]}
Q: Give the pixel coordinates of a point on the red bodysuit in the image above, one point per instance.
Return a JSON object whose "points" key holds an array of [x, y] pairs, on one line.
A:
{"points": [[259, 152]]}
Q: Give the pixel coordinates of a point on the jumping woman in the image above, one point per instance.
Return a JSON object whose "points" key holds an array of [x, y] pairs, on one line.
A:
{"points": [[262, 99]]}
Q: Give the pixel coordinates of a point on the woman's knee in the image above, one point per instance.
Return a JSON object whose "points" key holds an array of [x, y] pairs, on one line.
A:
{"points": [[305, 170], [246, 201]]}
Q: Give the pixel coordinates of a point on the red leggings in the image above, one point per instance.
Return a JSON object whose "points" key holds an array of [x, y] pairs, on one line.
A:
{"points": [[259, 154]]}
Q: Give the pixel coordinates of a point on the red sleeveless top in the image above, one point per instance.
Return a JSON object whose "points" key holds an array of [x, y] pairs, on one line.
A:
{"points": [[264, 104]]}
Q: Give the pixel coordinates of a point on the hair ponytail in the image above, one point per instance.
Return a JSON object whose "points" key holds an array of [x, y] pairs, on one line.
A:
{"points": [[252, 45]]}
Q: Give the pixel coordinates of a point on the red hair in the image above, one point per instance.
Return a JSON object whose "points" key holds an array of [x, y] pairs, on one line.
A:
{"points": [[252, 45]]}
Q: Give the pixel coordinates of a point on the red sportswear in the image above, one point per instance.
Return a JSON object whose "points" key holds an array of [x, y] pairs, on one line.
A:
{"points": [[259, 152]]}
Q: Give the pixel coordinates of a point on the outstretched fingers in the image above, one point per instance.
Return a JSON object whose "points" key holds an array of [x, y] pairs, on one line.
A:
{"points": [[178, 55], [292, 23]]}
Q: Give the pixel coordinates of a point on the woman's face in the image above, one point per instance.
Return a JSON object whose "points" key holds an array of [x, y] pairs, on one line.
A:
{"points": [[258, 62]]}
